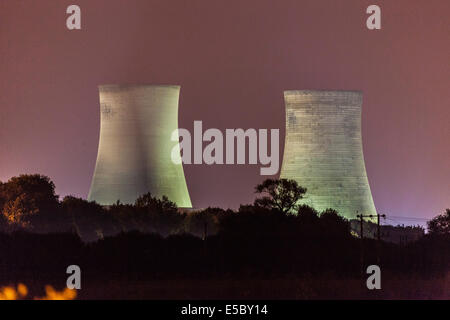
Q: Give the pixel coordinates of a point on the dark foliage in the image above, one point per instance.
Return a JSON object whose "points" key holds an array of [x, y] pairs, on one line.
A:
{"points": [[282, 194], [440, 225], [152, 239]]}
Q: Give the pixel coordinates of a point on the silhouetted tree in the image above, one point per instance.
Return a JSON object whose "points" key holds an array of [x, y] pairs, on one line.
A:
{"points": [[28, 200], [160, 215], [88, 219], [195, 222], [19, 211], [151, 203], [281, 194], [307, 214], [440, 225], [333, 224]]}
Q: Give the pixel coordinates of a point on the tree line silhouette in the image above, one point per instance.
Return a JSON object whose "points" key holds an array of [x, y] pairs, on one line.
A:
{"points": [[154, 239]]}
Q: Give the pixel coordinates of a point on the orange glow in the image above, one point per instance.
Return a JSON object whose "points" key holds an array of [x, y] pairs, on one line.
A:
{"points": [[52, 294], [11, 293], [22, 290]]}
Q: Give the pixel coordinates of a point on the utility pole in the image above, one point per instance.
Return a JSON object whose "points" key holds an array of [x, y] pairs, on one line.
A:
{"points": [[360, 216], [378, 225], [378, 216], [205, 237], [205, 230], [361, 219], [379, 236]]}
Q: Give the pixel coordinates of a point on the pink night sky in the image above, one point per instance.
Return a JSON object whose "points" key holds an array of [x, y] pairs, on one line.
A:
{"points": [[233, 59]]}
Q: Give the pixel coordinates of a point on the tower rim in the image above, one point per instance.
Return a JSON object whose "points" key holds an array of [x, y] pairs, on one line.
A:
{"points": [[316, 91], [112, 86]]}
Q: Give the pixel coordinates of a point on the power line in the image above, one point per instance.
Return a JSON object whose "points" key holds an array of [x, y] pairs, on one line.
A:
{"points": [[410, 218]]}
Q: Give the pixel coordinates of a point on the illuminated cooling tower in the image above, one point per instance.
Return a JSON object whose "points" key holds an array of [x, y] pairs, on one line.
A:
{"points": [[323, 150], [134, 153]]}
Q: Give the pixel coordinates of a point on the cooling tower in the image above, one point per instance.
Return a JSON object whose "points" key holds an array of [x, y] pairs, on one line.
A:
{"points": [[134, 153], [323, 150]]}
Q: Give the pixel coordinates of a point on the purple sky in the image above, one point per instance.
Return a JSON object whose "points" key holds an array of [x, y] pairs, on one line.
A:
{"points": [[233, 59]]}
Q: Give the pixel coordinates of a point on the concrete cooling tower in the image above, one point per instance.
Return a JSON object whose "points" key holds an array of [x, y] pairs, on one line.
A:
{"points": [[323, 150], [134, 153]]}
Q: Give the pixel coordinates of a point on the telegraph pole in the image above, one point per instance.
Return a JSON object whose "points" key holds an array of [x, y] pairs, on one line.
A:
{"points": [[378, 225], [378, 216], [205, 237], [361, 219], [379, 236], [205, 230], [360, 216]]}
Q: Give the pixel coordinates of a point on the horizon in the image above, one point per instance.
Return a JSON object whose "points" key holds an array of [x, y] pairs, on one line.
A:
{"points": [[231, 76]]}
